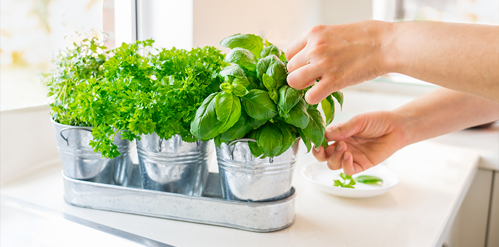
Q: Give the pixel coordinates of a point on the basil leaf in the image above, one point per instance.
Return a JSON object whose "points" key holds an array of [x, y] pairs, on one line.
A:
{"points": [[298, 116], [328, 109], [315, 129], [228, 109], [288, 136], [250, 42], [239, 90], [277, 70], [255, 150], [242, 57], [288, 98], [305, 139], [205, 125], [368, 179], [255, 123], [338, 95], [282, 57], [270, 140], [270, 85], [269, 82], [217, 141], [233, 71], [258, 105], [238, 130], [262, 66], [270, 50]]}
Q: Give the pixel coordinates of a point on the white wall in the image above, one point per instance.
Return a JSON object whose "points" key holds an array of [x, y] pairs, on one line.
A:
{"points": [[280, 21], [27, 143]]}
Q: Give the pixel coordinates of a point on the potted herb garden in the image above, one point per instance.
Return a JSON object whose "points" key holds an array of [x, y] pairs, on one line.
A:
{"points": [[152, 98], [256, 120], [73, 84]]}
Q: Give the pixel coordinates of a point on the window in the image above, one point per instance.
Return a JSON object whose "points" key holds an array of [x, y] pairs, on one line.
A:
{"points": [[32, 31]]}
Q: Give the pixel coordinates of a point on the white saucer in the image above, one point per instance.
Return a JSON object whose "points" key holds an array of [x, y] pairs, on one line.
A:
{"points": [[322, 178]]}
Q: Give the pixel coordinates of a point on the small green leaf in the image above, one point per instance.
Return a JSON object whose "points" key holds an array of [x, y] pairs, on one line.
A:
{"points": [[338, 95], [258, 105], [270, 140], [270, 50], [315, 129], [238, 130], [368, 179], [328, 109], [228, 110], [206, 125], [288, 98], [242, 57], [298, 115], [250, 42], [255, 123]]}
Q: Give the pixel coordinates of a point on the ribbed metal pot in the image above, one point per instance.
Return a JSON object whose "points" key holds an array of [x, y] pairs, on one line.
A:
{"points": [[248, 178], [79, 161], [174, 165]]}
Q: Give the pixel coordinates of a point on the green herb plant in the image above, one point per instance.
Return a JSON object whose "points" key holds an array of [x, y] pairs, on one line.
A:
{"points": [[76, 69], [146, 93], [256, 102]]}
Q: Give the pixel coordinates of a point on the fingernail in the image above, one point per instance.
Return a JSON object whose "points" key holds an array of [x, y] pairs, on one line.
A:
{"points": [[317, 149], [345, 156], [339, 147]]}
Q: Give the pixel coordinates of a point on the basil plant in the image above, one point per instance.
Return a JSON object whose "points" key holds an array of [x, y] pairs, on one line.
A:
{"points": [[255, 101]]}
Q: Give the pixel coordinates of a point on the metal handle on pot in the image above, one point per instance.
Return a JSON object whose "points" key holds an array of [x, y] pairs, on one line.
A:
{"points": [[231, 152], [72, 128]]}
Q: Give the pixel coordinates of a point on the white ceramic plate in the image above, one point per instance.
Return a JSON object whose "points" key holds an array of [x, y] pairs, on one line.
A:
{"points": [[322, 178]]}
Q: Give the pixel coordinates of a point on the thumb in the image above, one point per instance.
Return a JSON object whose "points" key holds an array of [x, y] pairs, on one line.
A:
{"points": [[345, 130]]}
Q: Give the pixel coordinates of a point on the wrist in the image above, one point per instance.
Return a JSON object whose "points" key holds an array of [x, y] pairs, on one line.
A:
{"points": [[409, 125], [389, 60]]}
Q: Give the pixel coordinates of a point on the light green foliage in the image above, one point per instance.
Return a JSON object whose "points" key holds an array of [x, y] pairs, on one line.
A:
{"points": [[133, 91], [348, 182], [369, 179]]}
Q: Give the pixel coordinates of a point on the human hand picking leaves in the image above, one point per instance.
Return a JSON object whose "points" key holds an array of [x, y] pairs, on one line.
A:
{"points": [[363, 142], [368, 139]]}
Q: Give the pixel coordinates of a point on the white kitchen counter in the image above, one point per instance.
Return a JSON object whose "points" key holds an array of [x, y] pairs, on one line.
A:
{"points": [[435, 176], [434, 180]]}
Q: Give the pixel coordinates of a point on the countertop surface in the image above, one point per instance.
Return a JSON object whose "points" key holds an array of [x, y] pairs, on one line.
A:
{"points": [[434, 178], [414, 213]]}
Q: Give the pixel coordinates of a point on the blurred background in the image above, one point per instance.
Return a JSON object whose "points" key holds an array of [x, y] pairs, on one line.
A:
{"points": [[33, 30]]}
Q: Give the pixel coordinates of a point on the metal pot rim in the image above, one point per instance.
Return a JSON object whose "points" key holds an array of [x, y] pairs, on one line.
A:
{"points": [[69, 126]]}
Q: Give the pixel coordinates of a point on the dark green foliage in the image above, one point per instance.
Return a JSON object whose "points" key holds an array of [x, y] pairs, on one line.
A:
{"points": [[271, 112]]}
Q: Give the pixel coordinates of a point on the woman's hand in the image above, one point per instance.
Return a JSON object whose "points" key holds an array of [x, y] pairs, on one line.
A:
{"points": [[337, 55], [364, 141]]}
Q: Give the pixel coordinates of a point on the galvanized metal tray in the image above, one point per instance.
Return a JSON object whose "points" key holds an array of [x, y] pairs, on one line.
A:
{"points": [[208, 209]]}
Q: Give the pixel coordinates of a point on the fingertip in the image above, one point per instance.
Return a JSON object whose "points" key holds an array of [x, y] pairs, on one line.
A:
{"points": [[311, 98], [319, 153], [347, 163]]}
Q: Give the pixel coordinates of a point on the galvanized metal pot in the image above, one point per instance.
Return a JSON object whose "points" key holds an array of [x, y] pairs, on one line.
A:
{"points": [[79, 161], [248, 178], [173, 165]]}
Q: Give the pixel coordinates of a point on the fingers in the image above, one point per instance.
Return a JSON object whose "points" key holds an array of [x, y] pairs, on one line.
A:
{"points": [[296, 46], [319, 153], [303, 77], [347, 163], [334, 161], [345, 130], [320, 90]]}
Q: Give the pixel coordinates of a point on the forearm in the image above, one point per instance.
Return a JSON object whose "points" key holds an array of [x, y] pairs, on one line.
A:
{"points": [[461, 57], [443, 111]]}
